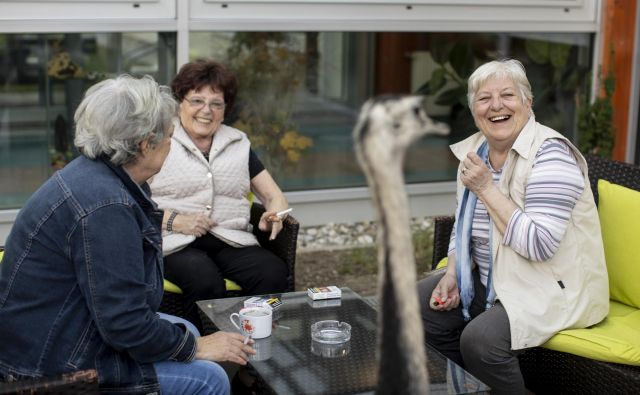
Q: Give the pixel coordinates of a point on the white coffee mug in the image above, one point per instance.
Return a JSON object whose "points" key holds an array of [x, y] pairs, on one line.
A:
{"points": [[263, 349], [253, 321]]}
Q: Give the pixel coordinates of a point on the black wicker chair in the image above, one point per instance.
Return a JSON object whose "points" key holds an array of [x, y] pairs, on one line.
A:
{"points": [[80, 382], [284, 246], [553, 372]]}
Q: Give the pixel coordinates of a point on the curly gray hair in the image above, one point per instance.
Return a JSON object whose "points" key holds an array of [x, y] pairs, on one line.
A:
{"points": [[117, 114]]}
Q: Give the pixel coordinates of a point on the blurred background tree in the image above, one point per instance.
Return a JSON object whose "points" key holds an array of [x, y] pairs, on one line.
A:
{"points": [[270, 71]]}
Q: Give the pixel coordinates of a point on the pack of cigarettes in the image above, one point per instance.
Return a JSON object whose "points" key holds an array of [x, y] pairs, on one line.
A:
{"points": [[321, 293], [258, 301]]}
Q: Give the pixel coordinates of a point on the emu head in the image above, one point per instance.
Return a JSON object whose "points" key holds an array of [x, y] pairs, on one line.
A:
{"points": [[388, 125]]}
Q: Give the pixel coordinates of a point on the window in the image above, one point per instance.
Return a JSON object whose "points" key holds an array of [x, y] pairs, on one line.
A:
{"points": [[43, 78], [300, 92]]}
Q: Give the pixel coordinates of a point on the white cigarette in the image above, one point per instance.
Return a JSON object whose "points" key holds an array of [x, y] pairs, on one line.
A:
{"points": [[283, 212], [246, 340]]}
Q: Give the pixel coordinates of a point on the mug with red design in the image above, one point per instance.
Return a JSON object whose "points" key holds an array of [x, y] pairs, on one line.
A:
{"points": [[253, 321]]}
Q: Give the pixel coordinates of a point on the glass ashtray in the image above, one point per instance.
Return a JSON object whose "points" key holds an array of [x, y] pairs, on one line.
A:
{"points": [[331, 350], [330, 332]]}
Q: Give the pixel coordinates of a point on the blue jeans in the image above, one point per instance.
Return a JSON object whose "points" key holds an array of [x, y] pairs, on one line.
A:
{"points": [[191, 378]]}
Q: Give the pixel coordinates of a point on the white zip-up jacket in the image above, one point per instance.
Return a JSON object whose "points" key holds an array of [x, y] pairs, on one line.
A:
{"points": [[188, 184], [570, 290]]}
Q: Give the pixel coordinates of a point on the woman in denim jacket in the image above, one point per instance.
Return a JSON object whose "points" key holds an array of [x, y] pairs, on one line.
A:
{"points": [[82, 271]]}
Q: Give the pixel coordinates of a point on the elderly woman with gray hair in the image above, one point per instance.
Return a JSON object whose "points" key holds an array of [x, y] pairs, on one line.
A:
{"points": [[82, 271], [526, 258]]}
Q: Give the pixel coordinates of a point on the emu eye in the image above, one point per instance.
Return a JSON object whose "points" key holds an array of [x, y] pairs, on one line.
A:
{"points": [[396, 125], [416, 111]]}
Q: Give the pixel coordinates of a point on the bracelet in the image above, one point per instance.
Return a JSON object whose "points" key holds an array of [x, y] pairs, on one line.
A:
{"points": [[173, 216]]}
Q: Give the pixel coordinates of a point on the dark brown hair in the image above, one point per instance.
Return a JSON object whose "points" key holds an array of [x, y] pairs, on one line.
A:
{"points": [[201, 73]]}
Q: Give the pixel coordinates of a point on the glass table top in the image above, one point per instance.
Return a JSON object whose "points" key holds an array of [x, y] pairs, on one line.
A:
{"points": [[289, 361]]}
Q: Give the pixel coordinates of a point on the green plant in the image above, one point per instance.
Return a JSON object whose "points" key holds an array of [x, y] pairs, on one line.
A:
{"points": [[595, 120], [455, 61], [555, 68]]}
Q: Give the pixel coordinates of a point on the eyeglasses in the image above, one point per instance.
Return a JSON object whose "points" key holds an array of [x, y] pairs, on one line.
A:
{"points": [[199, 103]]}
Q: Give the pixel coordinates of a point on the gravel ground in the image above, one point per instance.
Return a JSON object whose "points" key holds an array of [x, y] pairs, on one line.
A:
{"points": [[345, 254]]}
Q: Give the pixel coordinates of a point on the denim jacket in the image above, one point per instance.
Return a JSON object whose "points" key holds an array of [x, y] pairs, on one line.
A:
{"points": [[82, 280]]}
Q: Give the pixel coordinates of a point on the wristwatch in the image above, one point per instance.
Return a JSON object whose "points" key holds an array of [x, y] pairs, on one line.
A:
{"points": [[173, 216]]}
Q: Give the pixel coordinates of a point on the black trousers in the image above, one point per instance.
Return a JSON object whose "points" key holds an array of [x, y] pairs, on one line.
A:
{"points": [[200, 269], [482, 345]]}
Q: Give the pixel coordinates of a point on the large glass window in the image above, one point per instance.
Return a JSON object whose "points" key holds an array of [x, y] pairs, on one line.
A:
{"points": [[43, 78], [300, 92]]}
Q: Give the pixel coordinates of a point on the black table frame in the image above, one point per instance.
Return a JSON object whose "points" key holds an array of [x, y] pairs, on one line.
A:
{"points": [[297, 365]]}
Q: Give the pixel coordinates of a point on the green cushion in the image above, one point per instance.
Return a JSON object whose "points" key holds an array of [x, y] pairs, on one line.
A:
{"points": [[171, 287], [616, 339], [619, 210]]}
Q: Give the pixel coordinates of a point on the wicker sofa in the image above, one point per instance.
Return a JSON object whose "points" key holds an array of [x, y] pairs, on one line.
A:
{"points": [[82, 382], [284, 246], [548, 371]]}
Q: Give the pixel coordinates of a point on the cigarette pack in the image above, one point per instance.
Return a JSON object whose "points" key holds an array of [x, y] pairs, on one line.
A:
{"points": [[259, 301], [320, 293]]}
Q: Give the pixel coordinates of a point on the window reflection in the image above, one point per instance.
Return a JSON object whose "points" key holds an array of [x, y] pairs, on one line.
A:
{"points": [[43, 78], [301, 91]]}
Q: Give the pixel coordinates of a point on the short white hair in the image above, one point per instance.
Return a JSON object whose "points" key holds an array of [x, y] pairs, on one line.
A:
{"points": [[117, 114], [505, 68]]}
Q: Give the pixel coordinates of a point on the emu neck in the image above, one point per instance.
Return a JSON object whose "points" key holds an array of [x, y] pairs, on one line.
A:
{"points": [[402, 368]]}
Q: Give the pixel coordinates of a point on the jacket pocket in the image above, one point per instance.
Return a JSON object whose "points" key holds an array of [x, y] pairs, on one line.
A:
{"points": [[79, 353]]}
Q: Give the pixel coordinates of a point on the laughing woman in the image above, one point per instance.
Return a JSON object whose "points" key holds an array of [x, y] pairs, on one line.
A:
{"points": [[203, 188], [526, 258]]}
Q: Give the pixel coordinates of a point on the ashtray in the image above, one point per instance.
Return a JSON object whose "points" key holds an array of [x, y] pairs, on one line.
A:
{"points": [[330, 332], [331, 350]]}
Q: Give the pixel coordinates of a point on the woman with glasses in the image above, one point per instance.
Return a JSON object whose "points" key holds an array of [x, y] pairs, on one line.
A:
{"points": [[203, 188]]}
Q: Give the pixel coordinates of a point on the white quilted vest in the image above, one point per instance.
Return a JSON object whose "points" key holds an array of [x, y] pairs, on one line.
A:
{"points": [[188, 184]]}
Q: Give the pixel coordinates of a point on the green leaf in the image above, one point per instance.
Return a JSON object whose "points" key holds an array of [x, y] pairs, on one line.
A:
{"points": [[440, 50], [462, 59], [538, 50], [450, 97], [558, 54], [437, 80]]}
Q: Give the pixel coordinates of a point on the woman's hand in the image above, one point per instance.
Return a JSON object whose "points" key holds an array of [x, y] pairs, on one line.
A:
{"points": [[271, 222], [475, 174], [445, 295], [268, 192], [224, 346], [193, 224]]}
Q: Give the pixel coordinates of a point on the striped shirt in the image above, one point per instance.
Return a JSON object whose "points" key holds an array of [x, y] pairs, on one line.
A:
{"points": [[554, 187]]}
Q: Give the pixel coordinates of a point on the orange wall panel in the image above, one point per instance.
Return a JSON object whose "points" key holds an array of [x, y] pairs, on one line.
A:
{"points": [[619, 24]]}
